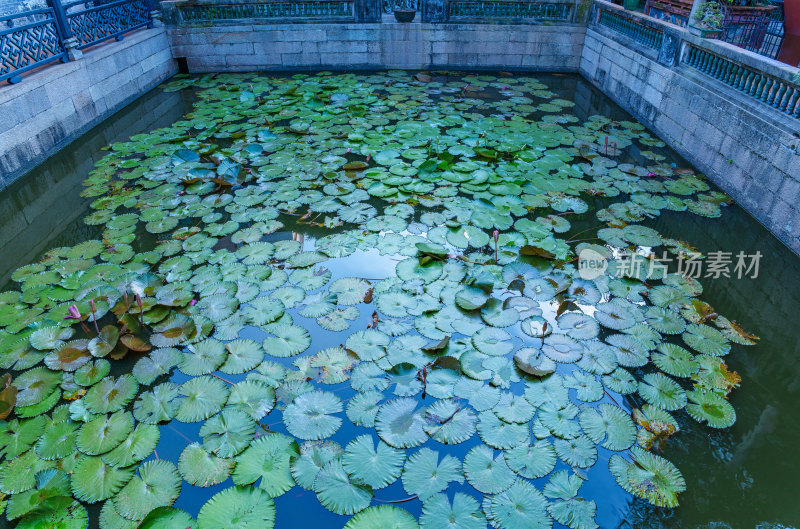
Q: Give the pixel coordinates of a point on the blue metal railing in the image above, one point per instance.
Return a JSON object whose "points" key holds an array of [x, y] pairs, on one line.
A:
{"points": [[38, 37], [105, 21], [29, 40]]}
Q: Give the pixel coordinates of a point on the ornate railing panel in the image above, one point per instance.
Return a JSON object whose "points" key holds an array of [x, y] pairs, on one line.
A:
{"points": [[634, 28], [508, 11], [32, 44], [779, 93], [93, 25], [329, 10]]}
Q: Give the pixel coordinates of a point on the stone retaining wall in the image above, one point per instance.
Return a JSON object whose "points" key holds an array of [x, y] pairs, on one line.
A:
{"points": [[55, 105], [253, 47], [746, 147]]}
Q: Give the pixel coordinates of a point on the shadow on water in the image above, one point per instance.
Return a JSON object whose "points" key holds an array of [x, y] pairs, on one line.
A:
{"points": [[44, 209], [741, 477]]}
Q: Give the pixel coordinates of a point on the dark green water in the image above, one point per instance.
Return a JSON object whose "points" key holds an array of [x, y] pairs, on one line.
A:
{"points": [[739, 477]]}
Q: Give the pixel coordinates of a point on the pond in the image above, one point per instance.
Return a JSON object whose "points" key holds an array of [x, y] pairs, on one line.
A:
{"points": [[390, 299]]}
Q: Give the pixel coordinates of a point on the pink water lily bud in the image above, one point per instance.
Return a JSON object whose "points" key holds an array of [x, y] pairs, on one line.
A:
{"points": [[348, 150], [74, 313], [495, 235], [91, 304], [504, 87], [193, 303]]}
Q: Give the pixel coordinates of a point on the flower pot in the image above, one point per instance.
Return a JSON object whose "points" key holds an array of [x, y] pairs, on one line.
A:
{"points": [[705, 32], [404, 15]]}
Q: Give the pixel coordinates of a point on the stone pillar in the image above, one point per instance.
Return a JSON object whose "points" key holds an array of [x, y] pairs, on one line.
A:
{"points": [[71, 45], [368, 10], [434, 10], [155, 13]]}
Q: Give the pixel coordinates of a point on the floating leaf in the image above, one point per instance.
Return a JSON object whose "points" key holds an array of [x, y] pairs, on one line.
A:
{"points": [[238, 508], [649, 476], [339, 492], [310, 416], [375, 465]]}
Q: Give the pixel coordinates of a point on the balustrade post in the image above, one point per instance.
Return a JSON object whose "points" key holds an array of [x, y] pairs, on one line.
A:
{"points": [[435, 10], [154, 9], [62, 26], [367, 10]]}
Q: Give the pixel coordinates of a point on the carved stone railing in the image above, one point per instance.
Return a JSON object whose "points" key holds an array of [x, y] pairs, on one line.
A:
{"points": [[779, 93], [505, 11], [764, 80], [179, 13]]}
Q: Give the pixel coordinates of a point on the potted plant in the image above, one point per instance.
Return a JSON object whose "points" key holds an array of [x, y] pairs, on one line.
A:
{"points": [[708, 20], [405, 10]]}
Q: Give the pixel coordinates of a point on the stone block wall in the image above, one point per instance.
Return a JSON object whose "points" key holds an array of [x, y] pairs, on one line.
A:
{"points": [[377, 46], [746, 147], [52, 107]]}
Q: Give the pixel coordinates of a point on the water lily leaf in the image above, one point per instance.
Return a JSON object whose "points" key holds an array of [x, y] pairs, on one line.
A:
{"points": [[400, 424], [649, 476], [706, 340], [609, 425], [520, 506], [238, 508], [662, 392], [158, 405], [339, 492], [48, 338], [166, 518], [289, 340], [305, 259], [425, 474], [464, 513], [533, 362], [269, 459], [448, 421], [707, 406], [492, 341], [363, 407], [228, 433], [471, 298], [531, 461], [200, 398], [500, 434], [369, 344], [349, 290], [243, 355], [139, 444], [313, 457], [34, 385], [486, 471], [100, 435], [93, 480], [91, 373], [202, 469], [575, 513], [157, 485], [578, 452], [375, 465], [50, 483], [59, 511], [111, 394], [310, 416], [383, 516], [561, 348]]}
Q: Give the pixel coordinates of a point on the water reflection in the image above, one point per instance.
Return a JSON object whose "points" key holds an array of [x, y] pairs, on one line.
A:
{"points": [[43, 209]]}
